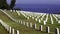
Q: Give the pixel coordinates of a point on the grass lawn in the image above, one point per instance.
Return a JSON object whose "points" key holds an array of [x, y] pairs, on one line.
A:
{"points": [[23, 29]]}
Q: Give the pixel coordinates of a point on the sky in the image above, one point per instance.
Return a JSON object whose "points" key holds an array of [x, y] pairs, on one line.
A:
{"points": [[36, 1]]}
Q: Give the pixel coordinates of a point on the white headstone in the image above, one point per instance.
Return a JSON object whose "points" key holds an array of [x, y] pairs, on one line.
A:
{"points": [[58, 21], [17, 31], [39, 20], [12, 31], [41, 28], [57, 31], [11, 10], [48, 29], [36, 19], [32, 17], [44, 22], [51, 22], [27, 17]]}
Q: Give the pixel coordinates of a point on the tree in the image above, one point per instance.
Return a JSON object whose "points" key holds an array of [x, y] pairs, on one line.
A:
{"points": [[3, 4], [12, 4]]}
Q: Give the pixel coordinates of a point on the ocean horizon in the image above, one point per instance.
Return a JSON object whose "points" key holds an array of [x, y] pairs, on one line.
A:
{"points": [[42, 8]]}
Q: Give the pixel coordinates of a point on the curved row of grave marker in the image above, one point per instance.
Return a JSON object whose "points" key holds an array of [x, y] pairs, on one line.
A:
{"points": [[55, 18], [33, 15], [40, 19], [8, 16], [34, 25], [36, 19], [22, 12], [40, 27], [51, 19], [57, 15], [8, 28]]}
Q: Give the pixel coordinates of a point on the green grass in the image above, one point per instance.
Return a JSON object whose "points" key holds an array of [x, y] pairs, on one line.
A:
{"points": [[48, 23], [23, 29]]}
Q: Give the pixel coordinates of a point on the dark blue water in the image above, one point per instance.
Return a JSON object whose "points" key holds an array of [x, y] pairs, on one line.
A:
{"points": [[44, 8]]}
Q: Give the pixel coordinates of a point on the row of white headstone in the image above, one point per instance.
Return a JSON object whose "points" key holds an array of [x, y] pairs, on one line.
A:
{"points": [[46, 19], [8, 28], [55, 17], [38, 16], [27, 14], [58, 16], [18, 20], [27, 24], [31, 13], [8, 15], [31, 25], [51, 19], [36, 19], [40, 28], [12, 18], [24, 15]]}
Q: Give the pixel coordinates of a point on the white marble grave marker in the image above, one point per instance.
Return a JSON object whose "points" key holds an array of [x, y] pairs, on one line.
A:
{"points": [[44, 22], [36, 19], [48, 29], [17, 31], [41, 28], [39, 20], [12, 31], [57, 31], [58, 21]]}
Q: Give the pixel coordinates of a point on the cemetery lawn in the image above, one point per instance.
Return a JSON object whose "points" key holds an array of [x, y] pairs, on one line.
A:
{"points": [[23, 29], [52, 26], [16, 16]]}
